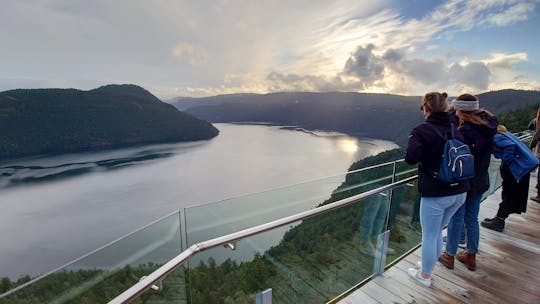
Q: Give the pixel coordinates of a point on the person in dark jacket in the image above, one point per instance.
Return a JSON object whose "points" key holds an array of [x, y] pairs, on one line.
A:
{"points": [[515, 177], [439, 201], [478, 128]]}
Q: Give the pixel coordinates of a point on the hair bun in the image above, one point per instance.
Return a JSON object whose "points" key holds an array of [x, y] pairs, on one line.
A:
{"points": [[444, 95]]}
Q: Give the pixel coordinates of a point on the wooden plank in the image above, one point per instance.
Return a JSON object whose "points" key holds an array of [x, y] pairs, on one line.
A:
{"points": [[446, 281], [396, 275], [382, 295], [359, 296]]}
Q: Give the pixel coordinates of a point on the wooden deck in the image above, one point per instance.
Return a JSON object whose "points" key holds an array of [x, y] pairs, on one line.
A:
{"points": [[508, 267]]}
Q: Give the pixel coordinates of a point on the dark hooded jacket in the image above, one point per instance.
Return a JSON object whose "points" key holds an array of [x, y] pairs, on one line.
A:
{"points": [[426, 147], [480, 141]]}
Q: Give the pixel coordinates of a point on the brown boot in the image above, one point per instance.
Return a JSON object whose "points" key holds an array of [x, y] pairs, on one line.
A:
{"points": [[447, 260], [469, 259]]}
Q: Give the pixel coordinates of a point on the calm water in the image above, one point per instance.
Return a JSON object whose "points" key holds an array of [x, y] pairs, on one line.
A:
{"points": [[55, 209]]}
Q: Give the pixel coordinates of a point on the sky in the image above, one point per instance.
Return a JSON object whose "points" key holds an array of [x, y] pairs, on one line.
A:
{"points": [[204, 48]]}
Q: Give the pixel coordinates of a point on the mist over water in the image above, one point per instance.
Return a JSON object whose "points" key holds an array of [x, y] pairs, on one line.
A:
{"points": [[55, 209]]}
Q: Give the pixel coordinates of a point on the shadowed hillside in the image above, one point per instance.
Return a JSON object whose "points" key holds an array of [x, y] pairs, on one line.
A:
{"points": [[53, 121], [381, 116]]}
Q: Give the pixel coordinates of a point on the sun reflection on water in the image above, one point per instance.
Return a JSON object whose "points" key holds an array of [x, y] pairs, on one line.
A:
{"points": [[348, 145]]}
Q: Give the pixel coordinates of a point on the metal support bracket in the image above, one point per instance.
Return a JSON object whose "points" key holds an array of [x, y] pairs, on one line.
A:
{"points": [[156, 287], [231, 246]]}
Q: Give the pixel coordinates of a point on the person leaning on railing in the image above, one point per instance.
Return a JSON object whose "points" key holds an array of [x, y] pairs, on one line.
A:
{"points": [[517, 163], [439, 200]]}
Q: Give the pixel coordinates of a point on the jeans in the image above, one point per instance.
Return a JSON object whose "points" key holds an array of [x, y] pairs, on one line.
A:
{"points": [[435, 212], [468, 214], [373, 217]]}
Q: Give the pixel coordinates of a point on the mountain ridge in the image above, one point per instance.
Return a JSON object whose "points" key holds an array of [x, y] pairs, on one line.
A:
{"points": [[55, 121], [384, 116]]}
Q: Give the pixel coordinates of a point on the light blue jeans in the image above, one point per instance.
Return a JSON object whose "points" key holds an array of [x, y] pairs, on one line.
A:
{"points": [[435, 213], [468, 214]]}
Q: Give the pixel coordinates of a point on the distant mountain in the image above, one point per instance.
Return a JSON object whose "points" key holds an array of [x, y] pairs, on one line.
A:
{"points": [[52, 121], [383, 116]]}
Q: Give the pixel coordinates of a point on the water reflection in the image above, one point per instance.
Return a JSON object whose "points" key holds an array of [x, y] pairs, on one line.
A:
{"points": [[348, 145]]}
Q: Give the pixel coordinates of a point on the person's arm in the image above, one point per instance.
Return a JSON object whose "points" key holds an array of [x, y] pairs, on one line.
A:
{"points": [[414, 148]]}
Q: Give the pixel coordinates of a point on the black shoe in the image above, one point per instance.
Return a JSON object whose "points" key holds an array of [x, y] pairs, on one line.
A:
{"points": [[490, 219], [536, 198], [497, 224]]}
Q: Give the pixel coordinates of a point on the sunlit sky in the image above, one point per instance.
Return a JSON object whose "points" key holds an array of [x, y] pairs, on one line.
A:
{"points": [[202, 48]]}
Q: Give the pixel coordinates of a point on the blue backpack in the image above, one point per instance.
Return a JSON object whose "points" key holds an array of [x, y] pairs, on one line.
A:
{"points": [[457, 162]]}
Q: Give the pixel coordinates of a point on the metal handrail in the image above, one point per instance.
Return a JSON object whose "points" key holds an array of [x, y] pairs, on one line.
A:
{"points": [[146, 283]]}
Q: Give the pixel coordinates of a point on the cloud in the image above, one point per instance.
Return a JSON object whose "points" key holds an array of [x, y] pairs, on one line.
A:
{"points": [[474, 74], [196, 45], [512, 14], [193, 54], [365, 65], [291, 82], [505, 61]]}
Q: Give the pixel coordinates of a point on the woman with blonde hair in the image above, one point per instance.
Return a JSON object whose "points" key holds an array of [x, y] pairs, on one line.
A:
{"points": [[439, 200], [478, 127]]}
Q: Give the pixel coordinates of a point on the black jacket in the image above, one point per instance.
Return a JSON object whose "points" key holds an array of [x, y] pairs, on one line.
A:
{"points": [[425, 147], [480, 141]]}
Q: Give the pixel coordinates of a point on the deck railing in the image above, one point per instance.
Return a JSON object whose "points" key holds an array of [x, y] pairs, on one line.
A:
{"points": [[310, 242]]}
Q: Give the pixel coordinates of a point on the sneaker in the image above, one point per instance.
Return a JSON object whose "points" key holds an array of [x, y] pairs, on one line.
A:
{"points": [[536, 198], [497, 224], [490, 219], [415, 274]]}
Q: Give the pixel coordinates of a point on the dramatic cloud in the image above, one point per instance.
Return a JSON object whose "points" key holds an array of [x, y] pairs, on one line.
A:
{"points": [[365, 65], [193, 47]]}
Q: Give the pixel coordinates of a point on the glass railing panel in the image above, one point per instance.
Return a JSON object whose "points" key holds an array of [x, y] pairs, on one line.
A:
{"points": [[107, 272], [216, 219], [311, 261], [404, 170], [404, 221]]}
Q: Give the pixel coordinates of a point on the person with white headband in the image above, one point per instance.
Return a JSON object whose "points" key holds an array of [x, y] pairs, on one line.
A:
{"points": [[478, 128]]}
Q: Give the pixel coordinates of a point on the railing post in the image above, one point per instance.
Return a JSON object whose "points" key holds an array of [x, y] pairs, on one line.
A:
{"points": [[183, 229], [264, 297]]}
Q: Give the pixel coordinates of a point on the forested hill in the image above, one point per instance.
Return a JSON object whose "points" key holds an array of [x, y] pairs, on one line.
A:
{"points": [[52, 121], [381, 116]]}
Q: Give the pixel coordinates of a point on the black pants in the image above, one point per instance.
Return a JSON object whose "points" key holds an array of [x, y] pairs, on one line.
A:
{"points": [[514, 193]]}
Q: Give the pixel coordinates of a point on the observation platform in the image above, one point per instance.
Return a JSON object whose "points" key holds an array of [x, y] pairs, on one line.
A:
{"points": [[508, 267]]}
